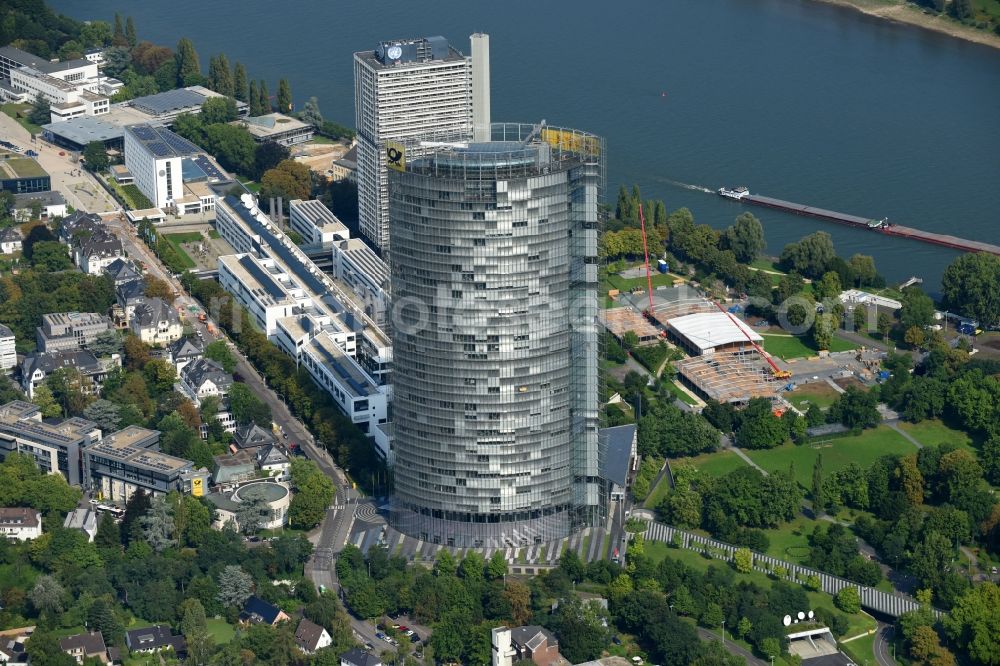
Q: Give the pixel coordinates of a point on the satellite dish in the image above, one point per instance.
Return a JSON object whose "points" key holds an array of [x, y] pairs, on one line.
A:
{"points": [[787, 621], [801, 615], [811, 615]]}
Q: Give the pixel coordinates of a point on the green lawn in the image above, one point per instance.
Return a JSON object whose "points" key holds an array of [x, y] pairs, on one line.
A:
{"points": [[213, 234], [13, 110], [251, 185], [679, 393], [790, 542], [786, 347], [766, 265], [220, 630], [818, 393], [862, 449], [175, 240], [713, 465], [24, 167], [656, 495], [616, 281], [861, 650], [934, 433]]}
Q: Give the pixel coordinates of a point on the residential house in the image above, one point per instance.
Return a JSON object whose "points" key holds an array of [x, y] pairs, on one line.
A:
{"points": [[311, 637], [88, 645], [20, 524], [77, 224], [8, 353], [36, 366], [252, 436], [62, 331], [359, 657], [122, 270], [528, 642], [258, 611], [128, 296], [10, 240], [204, 377], [273, 462], [50, 205], [84, 520], [12, 646], [154, 639], [155, 322], [95, 252], [185, 350]]}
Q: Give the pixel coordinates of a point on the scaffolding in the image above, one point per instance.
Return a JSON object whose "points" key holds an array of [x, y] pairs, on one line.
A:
{"points": [[620, 321], [732, 376]]}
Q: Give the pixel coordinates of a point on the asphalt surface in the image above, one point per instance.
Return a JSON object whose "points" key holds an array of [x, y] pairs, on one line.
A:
{"points": [[732, 648], [883, 645]]}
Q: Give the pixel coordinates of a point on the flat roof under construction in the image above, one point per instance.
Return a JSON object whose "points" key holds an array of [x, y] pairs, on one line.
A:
{"points": [[728, 377], [620, 321]]}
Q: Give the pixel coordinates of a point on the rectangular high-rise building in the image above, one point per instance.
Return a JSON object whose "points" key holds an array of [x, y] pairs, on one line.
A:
{"points": [[404, 89]]}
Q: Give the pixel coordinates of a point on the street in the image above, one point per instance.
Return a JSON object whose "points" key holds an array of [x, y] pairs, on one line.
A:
{"points": [[884, 650]]}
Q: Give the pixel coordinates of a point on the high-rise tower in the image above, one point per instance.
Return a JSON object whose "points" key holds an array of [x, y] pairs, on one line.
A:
{"points": [[494, 278], [405, 89]]}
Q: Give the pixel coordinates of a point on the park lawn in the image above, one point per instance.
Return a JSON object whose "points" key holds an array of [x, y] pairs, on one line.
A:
{"points": [[838, 452], [221, 631], [790, 542], [934, 432], [813, 393], [766, 265], [616, 281], [679, 393], [13, 110], [800, 346], [713, 465], [175, 240], [861, 650]]}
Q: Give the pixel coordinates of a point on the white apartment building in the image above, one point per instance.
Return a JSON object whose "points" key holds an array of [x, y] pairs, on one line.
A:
{"points": [[73, 88], [154, 157], [267, 292], [359, 267], [20, 524], [315, 222], [404, 89], [8, 355]]}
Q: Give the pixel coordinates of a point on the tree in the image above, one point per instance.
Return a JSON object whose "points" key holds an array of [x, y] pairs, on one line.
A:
{"points": [[135, 508], [974, 623], [254, 100], [989, 456], [822, 330], [970, 284], [269, 155], [215, 110], [828, 286], [50, 256], [759, 427], [284, 96], [47, 595], [863, 268], [581, 628], [860, 316], [809, 256], [310, 113], [106, 344], [108, 536], [46, 402], [884, 325], [250, 511], [264, 100], [118, 38], [158, 525], [247, 407], [235, 586], [188, 64], [194, 629], [914, 337], [130, 36], [95, 156], [232, 145], [848, 600], [240, 90], [157, 288], [106, 414], [745, 238], [743, 560], [918, 308], [43, 650], [818, 495], [290, 180], [220, 76], [314, 494], [218, 351], [856, 409], [497, 566]]}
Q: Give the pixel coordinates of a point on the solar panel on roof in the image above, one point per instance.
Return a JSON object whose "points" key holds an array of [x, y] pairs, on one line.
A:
{"points": [[178, 143], [262, 277], [159, 149]]}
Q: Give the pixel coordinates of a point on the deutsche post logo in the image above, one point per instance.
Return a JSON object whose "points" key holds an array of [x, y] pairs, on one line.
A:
{"points": [[395, 156]]}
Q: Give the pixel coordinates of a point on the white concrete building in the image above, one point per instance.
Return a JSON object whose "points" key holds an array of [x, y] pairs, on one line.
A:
{"points": [[404, 89], [20, 524], [315, 222], [368, 276], [50, 205], [268, 293], [153, 155], [8, 354], [73, 88]]}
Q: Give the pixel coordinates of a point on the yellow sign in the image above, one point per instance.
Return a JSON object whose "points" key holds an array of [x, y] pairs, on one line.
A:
{"points": [[197, 487], [572, 141], [395, 156]]}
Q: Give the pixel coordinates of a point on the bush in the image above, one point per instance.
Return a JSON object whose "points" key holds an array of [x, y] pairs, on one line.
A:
{"points": [[848, 599], [136, 199], [652, 356]]}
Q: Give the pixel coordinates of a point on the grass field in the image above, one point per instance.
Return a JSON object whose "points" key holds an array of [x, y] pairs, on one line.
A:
{"points": [[213, 234], [176, 239], [713, 465], [787, 347], [862, 449], [790, 542], [678, 393], [934, 433], [616, 281], [221, 631], [13, 110], [766, 265], [657, 494], [818, 393], [862, 650]]}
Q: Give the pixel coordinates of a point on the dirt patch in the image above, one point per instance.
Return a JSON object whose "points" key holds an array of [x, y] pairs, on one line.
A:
{"points": [[847, 382]]}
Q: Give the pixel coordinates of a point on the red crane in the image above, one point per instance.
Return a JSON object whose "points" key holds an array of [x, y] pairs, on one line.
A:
{"points": [[775, 370], [645, 249]]}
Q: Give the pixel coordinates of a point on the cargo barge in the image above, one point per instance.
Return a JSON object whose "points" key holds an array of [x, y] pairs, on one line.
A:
{"points": [[743, 195]]}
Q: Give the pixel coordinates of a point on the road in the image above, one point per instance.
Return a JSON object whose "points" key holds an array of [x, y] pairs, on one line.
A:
{"points": [[732, 648], [883, 645]]}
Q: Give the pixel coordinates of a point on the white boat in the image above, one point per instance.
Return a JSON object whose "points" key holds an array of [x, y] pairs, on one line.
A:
{"points": [[736, 193]]}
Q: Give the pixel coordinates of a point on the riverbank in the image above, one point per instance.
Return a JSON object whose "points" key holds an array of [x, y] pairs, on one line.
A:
{"points": [[902, 12]]}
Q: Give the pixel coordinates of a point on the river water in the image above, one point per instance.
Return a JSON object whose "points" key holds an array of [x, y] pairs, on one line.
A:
{"points": [[794, 98]]}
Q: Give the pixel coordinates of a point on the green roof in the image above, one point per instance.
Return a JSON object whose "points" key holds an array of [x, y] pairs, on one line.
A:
{"points": [[22, 167]]}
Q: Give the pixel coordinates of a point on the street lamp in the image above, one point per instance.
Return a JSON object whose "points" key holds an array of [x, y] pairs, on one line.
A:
{"points": [[723, 632]]}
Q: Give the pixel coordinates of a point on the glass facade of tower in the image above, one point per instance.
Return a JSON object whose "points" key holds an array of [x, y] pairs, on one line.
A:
{"points": [[494, 278]]}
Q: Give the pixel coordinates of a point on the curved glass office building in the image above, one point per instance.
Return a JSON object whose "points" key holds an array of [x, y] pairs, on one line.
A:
{"points": [[494, 290]]}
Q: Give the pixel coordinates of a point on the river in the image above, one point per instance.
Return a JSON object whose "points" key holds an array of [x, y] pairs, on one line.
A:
{"points": [[796, 99]]}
